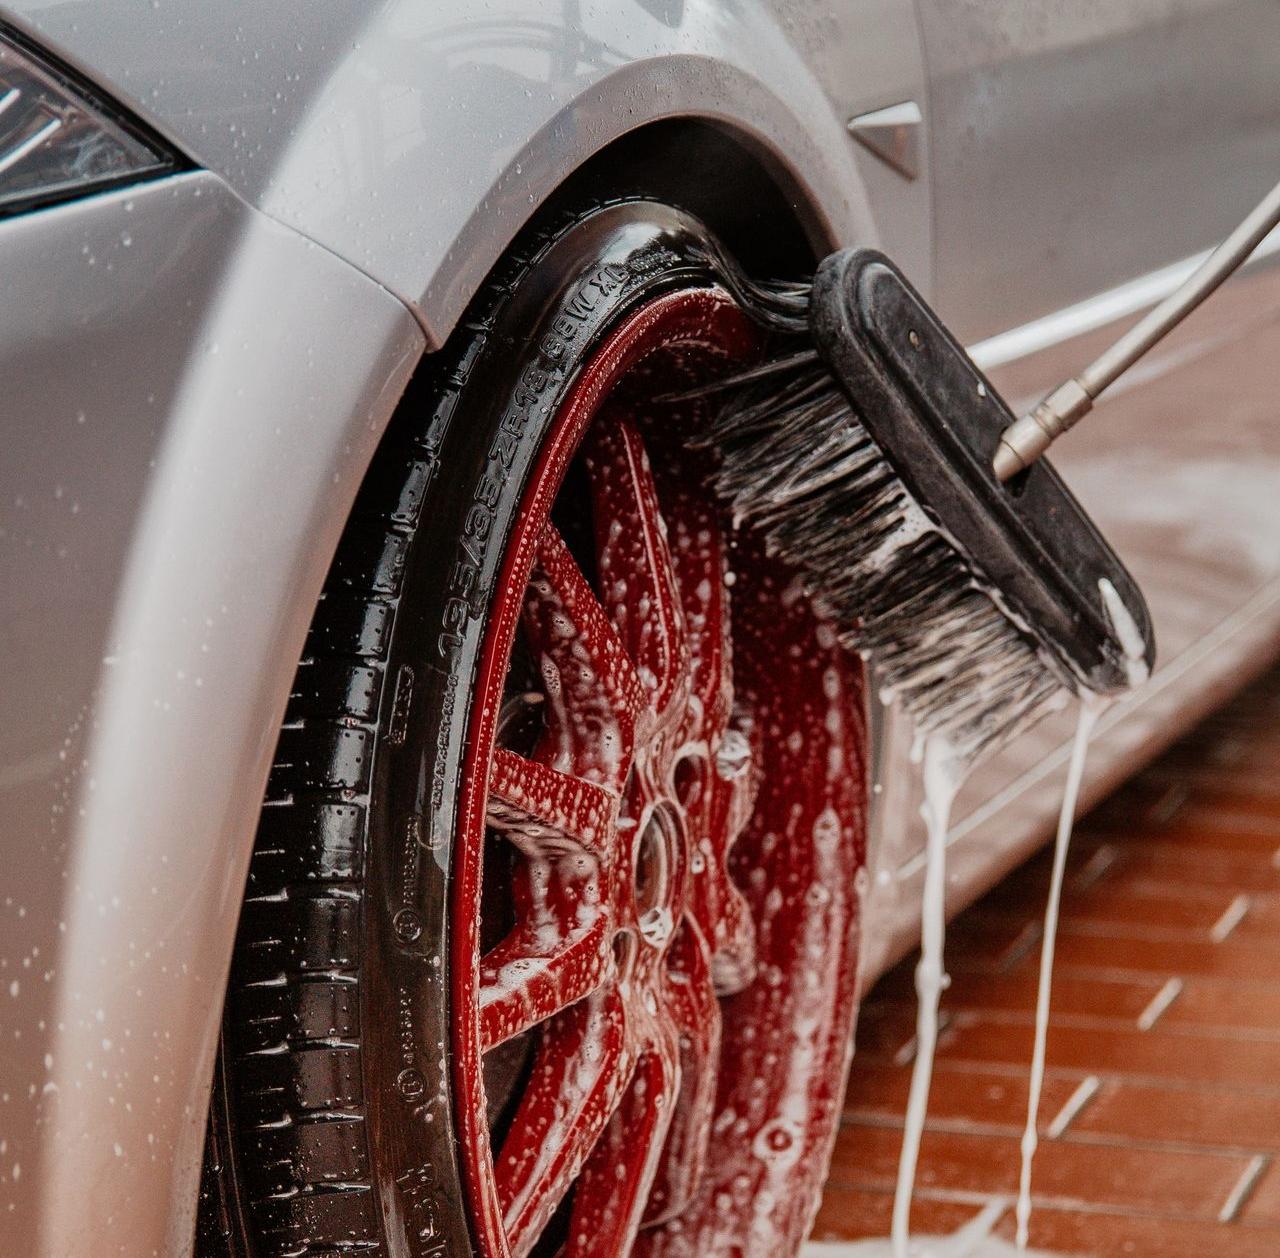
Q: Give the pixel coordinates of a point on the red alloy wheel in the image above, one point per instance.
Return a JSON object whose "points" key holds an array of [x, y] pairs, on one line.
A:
{"points": [[655, 904]]}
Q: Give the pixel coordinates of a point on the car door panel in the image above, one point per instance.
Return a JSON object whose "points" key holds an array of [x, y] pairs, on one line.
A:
{"points": [[1076, 146]]}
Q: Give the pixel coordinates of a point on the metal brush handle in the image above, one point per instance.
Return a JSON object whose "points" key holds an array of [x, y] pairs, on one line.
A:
{"points": [[1029, 437]]}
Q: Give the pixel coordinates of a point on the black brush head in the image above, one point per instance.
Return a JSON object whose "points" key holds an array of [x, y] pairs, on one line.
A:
{"points": [[865, 463], [937, 421]]}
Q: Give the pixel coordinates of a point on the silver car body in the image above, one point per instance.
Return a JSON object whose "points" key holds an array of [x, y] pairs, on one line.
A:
{"points": [[196, 372]]}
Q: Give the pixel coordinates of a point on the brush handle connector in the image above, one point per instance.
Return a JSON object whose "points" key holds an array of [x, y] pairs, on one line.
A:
{"points": [[1023, 442], [1029, 437]]}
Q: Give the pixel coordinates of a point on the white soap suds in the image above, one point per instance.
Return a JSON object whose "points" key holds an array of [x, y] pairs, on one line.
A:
{"points": [[1127, 632]]}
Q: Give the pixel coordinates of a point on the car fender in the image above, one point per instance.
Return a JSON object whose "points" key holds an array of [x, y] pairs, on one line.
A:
{"points": [[414, 139], [192, 394]]}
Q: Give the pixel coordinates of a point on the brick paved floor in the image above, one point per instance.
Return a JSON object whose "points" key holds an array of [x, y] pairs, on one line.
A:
{"points": [[1160, 1122]]}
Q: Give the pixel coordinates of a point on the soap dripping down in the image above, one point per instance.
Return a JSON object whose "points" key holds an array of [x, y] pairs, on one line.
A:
{"points": [[943, 773], [1091, 708]]}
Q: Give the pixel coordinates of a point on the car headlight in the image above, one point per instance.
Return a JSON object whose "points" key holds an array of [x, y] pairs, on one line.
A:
{"points": [[58, 138]]}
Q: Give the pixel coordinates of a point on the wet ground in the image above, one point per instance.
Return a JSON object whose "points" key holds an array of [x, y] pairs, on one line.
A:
{"points": [[1160, 1121]]}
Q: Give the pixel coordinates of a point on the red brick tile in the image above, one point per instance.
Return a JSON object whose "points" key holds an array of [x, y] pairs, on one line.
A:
{"points": [[1228, 814], [985, 1098], [1191, 1116], [1191, 1185], [1210, 795], [1263, 1204], [1015, 994], [853, 1214], [1133, 1054], [1186, 957], [1195, 836], [1198, 865], [1151, 909], [1118, 1236], [1262, 919], [1158, 910], [1121, 880], [1223, 753], [1161, 797], [1206, 1005]]}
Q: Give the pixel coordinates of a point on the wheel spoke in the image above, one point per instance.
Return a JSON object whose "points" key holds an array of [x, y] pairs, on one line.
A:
{"points": [[615, 1184], [537, 971], [593, 690], [695, 1013], [583, 1067], [697, 557], [546, 813], [636, 574], [716, 778]]}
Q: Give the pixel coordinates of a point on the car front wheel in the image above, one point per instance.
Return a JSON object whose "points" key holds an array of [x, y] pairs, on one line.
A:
{"points": [[549, 944]]}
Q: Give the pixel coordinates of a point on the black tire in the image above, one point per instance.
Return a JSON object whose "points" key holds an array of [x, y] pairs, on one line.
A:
{"points": [[332, 1120]]}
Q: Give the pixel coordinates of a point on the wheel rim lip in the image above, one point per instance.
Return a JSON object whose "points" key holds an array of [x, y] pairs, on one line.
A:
{"points": [[704, 314]]}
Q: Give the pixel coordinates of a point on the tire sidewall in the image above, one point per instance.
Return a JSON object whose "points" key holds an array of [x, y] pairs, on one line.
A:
{"points": [[499, 385]]}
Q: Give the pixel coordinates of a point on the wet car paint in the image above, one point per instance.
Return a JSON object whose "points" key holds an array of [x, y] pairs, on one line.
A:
{"points": [[136, 741]]}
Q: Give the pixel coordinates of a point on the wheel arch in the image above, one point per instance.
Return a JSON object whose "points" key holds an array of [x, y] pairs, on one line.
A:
{"points": [[756, 207], [700, 132], [415, 141]]}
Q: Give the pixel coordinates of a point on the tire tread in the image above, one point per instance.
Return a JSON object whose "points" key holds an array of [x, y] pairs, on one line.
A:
{"points": [[299, 1154]]}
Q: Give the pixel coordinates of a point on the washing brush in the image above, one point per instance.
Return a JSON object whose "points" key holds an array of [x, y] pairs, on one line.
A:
{"points": [[874, 457]]}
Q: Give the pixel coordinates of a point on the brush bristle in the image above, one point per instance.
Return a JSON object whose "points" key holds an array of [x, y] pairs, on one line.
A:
{"points": [[798, 467]]}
